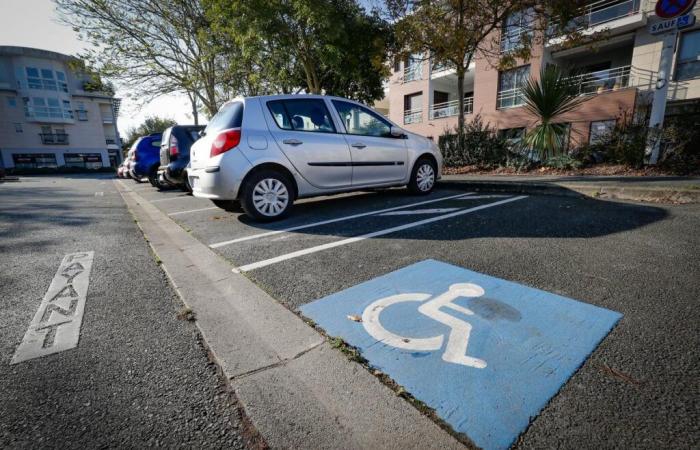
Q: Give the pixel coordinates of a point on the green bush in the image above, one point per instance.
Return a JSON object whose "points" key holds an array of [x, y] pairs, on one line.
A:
{"points": [[478, 144], [563, 162]]}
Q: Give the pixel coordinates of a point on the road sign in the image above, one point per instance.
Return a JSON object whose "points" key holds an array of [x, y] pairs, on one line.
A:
{"points": [[667, 9], [487, 354], [672, 24]]}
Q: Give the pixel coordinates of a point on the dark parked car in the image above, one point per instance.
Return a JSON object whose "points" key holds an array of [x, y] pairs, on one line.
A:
{"points": [[146, 158], [175, 154]]}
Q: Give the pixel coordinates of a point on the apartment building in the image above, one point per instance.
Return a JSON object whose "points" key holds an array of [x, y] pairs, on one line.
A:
{"points": [[51, 114], [618, 76]]}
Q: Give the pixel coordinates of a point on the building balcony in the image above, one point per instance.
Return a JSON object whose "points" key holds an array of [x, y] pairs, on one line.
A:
{"points": [[412, 73], [510, 98], [412, 116], [107, 118], [451, 108], [54, 138], [613, 15], [602, 80]]}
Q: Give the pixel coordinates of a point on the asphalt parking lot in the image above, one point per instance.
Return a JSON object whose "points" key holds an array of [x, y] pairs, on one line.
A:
{"points": [[637, 389]]}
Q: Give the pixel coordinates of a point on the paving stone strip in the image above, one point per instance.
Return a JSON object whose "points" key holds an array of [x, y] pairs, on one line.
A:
{"points": [[296, 389]]}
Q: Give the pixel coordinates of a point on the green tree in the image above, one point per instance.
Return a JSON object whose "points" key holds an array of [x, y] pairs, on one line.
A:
{"points": [[150, 125], [154, 47], [331, 46], [454, 32], [548, 98]]}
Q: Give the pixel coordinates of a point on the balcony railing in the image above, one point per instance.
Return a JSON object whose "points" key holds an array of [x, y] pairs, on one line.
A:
{"points": [[412, 73], [107, 118], [602, 80], [451, 108], [600, 12], [413, 116], [111, 141], [510, 98], [54, 138]]}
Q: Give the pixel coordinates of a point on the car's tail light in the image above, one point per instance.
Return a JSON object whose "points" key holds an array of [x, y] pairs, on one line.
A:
{"points": [[174, 149], [225, 141]]}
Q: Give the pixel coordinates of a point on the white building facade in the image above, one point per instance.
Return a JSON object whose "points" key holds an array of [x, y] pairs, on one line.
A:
{"points": [[50, 114]]}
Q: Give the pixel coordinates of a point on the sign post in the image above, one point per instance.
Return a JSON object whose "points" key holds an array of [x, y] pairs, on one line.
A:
{"points": [[674, 15]]}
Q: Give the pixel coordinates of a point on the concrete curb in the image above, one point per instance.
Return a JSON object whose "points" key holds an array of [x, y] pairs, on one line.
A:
{"points": [[634, 193], [297, 391]]}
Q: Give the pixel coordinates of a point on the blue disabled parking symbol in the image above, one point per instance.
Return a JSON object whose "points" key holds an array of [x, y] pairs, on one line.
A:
{"points": [[485, 353]]}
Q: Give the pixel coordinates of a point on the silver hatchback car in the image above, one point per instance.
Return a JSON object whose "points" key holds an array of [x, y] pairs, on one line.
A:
{"points": [[262, 153]]}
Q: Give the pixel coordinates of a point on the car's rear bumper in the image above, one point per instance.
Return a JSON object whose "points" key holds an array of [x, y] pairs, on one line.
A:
{"points": [[221, 179]]}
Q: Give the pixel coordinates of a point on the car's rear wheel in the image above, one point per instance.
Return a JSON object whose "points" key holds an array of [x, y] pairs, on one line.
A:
{"points": [[423, 177], [267, 196], [186, 186], [228, 205], [153, 177]]}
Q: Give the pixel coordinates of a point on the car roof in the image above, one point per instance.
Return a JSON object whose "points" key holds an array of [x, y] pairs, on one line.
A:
{"points": [[292, 97]]}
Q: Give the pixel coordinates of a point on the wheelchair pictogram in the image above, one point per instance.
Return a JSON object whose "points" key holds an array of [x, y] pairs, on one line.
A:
{"points": [[432, 307]]}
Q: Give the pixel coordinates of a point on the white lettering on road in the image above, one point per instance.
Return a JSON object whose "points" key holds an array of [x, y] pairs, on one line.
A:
{"points": [[56, 325]]}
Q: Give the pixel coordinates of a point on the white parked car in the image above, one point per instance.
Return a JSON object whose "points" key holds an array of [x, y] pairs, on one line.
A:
{"points": [[265, 152]]}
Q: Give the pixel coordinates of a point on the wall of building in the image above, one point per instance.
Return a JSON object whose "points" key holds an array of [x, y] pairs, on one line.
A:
{"points": [[20, 134]]}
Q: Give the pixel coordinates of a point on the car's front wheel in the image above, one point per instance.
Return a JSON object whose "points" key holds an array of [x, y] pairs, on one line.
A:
{"points": [[267, 196], [423, 177]]}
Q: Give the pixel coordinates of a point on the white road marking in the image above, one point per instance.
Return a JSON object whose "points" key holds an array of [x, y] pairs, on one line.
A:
{"points": [[99, 194], [318, 248], [474, 197], [166, 199], [193, 210], [339, 219], [419, 211], [56, 324]]}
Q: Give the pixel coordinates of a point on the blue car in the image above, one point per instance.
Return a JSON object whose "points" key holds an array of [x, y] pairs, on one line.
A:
{"points": [[175, 155], [146, 158]]}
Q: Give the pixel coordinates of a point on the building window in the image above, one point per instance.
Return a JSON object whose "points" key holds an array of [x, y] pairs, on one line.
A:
{"points": [[509, 84], [516, 27], [84, 160], [599, 130], [413, 108], [688, 62], [18, 128], [413, 68], [512, 135], [81, 112], [33, 79], [40, 107], [34, 160], [12, 102], [62, 85]]}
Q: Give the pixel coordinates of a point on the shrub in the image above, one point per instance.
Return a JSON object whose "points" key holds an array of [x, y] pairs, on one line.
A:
{"points": [[478, 144], [563, 162]]}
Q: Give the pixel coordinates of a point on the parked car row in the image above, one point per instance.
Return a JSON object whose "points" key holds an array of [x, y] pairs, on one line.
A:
{"points": [[262, 153]]}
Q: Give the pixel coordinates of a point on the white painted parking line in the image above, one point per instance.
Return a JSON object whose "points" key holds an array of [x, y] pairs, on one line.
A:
{"points": [[56, 324], [99, 194], [419, 211], [339, 219], [318, 248], [169, 198], [193, 210], [474, 197]]}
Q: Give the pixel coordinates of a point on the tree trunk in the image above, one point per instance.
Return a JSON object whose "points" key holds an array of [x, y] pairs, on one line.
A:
{"points": [[193, 102], [460, 96]]}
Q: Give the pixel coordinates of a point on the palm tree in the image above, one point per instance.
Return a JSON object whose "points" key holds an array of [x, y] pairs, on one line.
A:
{"points": [[548, 98]]}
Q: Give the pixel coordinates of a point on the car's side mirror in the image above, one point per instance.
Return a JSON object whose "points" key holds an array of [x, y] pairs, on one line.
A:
{"points": [[397, 132]]}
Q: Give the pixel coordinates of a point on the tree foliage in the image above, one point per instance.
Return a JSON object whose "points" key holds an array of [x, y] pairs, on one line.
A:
{"points": [[150, 125], [331, 46], [455, 32]]}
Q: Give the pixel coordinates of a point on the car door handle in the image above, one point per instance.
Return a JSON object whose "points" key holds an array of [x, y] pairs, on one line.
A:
{"points": [[292, 142], [358, 145]]}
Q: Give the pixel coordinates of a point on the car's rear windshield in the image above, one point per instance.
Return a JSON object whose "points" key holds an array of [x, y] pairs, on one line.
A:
{"points": [[229, 116]]}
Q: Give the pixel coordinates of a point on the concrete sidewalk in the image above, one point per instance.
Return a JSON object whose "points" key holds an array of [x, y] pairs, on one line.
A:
{"points": [[663, 189]]}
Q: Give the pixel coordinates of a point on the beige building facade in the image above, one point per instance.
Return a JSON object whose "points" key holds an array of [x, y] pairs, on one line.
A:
{"points": [[51, 116], [618, 76]]}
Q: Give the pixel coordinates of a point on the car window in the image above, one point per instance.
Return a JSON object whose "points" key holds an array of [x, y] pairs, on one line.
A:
{"points": [[155, 143], [302, 115], [361, 121], [229, 116]]}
